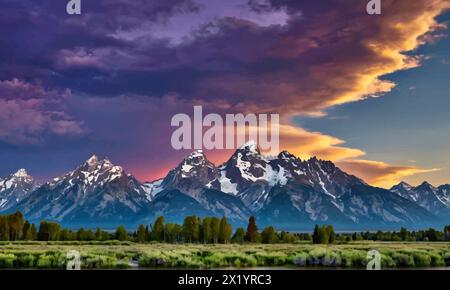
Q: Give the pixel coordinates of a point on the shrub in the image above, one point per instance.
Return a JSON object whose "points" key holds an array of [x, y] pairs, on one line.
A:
{"points": [[300, 259], [387, 261], [271, 258], [403, 260], [421, 259], [44, 261], [26, 261], [353, 258], [447, 259], [7, 260], [437, 260]]}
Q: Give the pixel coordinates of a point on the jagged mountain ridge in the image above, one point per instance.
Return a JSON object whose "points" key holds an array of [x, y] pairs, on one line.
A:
{"points": [[305, 192], [97, 192], [14, 188], [282, 190], [433, 199], [189, 182]]}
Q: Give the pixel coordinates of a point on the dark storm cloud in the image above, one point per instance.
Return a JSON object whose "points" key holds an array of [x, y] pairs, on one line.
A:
{"points": [[295, 57], [40, 40]]}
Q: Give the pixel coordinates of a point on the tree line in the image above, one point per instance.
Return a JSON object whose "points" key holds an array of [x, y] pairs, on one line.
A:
{"points": [[194, 229], [326, 235], [208, 230], [429, 235]]}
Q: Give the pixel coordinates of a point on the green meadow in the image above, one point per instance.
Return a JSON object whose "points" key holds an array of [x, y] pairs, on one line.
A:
{"points": [[123, 255]]}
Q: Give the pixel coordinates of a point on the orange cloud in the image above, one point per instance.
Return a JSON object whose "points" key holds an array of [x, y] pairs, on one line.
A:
{"points": [[305, 144], [351, 51], [327, 58], [380, 173]]}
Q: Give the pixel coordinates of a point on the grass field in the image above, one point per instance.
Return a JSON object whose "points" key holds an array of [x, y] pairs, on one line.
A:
{"points": [[114, 255]]}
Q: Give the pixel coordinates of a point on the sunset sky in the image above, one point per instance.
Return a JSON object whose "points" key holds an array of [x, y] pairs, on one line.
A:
{"points": [[370, 93]]}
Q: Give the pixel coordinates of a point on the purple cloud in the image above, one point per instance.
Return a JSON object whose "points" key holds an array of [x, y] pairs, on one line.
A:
{"points": [[28, 112]]}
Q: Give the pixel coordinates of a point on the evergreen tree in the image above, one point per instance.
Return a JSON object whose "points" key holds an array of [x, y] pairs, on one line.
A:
{"points": [[323, 235], [206, 230], [141, 235], [147, 233], [54, 231], [239, 236], [89, 235], [447, 233], [268, 235], [104, 236], [283, 236], [404, 234], [16, 223], [80, 234], [316, 235], [44, 231], [289, 238], [65, 235], [173, 233], [228, 233], [98, 234], [4, 228], [121, 233], [252, 230], [26, 232], [48, 231], [331, 234], [225, 231], [215, 229], [177, 233], [33, 232]]}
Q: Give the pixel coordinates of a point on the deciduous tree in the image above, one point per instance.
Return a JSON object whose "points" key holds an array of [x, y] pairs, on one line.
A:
{"points": [[191, 229], [158, 230]]}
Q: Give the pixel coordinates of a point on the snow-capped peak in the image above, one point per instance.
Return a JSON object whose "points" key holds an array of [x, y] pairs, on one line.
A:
{"points": [[197, 153], [13, 180], [21, 173], [92, 173], [92, 160], [194, 160], [251, 147], [287, 156], [15, 188]]}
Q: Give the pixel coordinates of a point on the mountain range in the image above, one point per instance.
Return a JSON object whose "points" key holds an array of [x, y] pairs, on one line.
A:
{"points": [[283, 191]]}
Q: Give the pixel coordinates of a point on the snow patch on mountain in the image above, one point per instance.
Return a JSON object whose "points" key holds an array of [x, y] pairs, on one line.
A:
{"points": [[153, 188], [226, 185]]}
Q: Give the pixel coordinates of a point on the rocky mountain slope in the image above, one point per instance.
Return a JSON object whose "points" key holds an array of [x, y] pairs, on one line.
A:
{"points": [[282, 190]]}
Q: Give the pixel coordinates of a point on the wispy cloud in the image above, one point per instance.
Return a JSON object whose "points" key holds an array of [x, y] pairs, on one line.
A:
{"points": [[28, 112], [380, 173]]}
